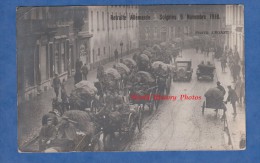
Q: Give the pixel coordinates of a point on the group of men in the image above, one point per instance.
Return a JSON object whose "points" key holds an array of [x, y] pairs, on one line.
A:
{"points": [[232, 96], [81, 71], [235, 64]]}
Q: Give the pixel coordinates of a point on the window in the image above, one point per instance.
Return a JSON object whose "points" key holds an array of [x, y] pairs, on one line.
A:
{"points": [[103, 21], [97, 21], [116, 20], [120, 21], [93, 55], [132, 23], [112, 22], [99, 54], [37, 12], [92, 28], [129, 23], [108, 20], [124, 22], [104, 49]]}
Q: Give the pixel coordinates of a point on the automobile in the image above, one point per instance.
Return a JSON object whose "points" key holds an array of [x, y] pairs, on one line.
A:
{"points": [[205, 71], [183, 70]]}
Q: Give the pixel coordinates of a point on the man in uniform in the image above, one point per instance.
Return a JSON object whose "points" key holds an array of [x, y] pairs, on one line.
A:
{"points": [[84, 70], [221, 88], [100, 72], [232, 98], [56, 85]]}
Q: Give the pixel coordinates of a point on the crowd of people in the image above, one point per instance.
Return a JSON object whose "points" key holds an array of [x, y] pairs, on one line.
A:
{"points": [[236, 66]]}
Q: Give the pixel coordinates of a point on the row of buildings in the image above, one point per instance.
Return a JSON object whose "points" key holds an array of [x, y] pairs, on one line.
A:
{"points": [[51, 39], [235, 40]]}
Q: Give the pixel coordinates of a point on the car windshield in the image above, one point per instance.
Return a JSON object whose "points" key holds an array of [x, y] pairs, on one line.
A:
{"points": [[182, 64]]}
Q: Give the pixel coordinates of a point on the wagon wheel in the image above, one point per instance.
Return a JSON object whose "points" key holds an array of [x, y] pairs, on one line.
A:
{"points": [[140, 119], [168, 87], [109, 142], [97, 146], [203, 107], [156, 102], [93, 107], [151, 103], [131, 125]]}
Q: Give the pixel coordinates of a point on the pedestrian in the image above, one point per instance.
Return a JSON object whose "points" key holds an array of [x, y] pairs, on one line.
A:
{"points": [[116, 55], [223, 61], [236, 71], [69, 68], [197, 49], [236, 56], [208, 48], [238, 88], [243, 69], [64, 97], [78, 65], [232, 98], [242, 93], [77, 77], [221, 88], [84, 71], [56, 85], [100, 72]]}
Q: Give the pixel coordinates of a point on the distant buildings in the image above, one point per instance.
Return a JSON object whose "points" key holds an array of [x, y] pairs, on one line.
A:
{"points": [[235, 26], [112, 29], [169, 22]]}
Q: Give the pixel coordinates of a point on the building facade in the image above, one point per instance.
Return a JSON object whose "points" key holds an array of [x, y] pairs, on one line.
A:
{"points": [[235, 26], [112, 29], [169, 22], [46, 45], [51, 39]]}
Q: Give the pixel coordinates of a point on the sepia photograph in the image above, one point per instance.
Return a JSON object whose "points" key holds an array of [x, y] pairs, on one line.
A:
{"points": [[130, 78]]}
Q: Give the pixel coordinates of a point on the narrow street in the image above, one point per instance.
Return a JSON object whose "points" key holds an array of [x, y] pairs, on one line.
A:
{"points": [[176, 125], [180, 125]]}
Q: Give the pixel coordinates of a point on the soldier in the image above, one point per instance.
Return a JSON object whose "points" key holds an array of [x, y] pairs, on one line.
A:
{"points": [[238, 88], [84, 70], [64, 97], [100, 72], [56, 85], [47, 134], [221, 88], [223, 61], [116, 55], [77, 77], [232, 98]]}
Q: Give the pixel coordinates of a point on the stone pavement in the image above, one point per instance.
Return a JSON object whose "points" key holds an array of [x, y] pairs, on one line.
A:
{"points": [[236, 124], [31, 112]]}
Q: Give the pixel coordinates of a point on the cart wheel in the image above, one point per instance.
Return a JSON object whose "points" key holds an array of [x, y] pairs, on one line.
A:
{"points": [[132, 125], [168, 88], [109, 142], [203, 108], [140, 119], [156, 102], [97, 146], [151, 104]]}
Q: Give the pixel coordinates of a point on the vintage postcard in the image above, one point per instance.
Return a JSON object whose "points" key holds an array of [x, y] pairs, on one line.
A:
{"points": [[131, 78]]}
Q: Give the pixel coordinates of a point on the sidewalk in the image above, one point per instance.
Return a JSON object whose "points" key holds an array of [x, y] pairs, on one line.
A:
{"points": [[31, 112], [236, 124]]}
